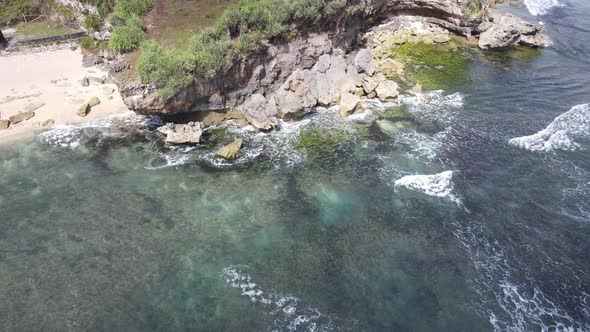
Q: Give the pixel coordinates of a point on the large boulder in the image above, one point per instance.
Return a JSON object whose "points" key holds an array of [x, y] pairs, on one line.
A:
{"points": [[298, 95], [260, 112], [230, 151], [20, 117], [349, 103], [182, 133], [387, 91], [508, 30], [364, 62], [86, 107]]}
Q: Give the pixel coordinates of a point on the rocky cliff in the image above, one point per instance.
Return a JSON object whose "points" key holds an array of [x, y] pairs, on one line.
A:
{"points": [[323, 67]]}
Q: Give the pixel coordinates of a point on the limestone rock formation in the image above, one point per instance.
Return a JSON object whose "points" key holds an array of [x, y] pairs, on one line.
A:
{"points": [[349, 103], [182, 133], [508, 30], [260, 112]]}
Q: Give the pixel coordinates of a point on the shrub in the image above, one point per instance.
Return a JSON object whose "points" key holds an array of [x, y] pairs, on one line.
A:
{"points": [[92, 22], [167, 71], [126, 38], [88, 43], [134, 7]]}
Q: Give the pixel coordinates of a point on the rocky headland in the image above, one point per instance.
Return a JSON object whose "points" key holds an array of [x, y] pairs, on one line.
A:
{"points": [[333, 64]]}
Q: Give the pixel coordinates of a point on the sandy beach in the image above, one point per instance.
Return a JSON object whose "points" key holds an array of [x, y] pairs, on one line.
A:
{"points": [[49, 82]]}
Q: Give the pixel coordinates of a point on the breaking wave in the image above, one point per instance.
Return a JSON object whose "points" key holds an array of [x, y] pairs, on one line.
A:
{"points": [[437, 185], [287, 310], [72, 136], [561, 134], [541, 7]]}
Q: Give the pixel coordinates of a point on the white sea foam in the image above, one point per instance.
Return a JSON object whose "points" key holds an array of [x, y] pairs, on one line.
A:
{"points": [[561, 134], [541, 7], [287, 310], [70, 136], [438, 185], [434, 106]]}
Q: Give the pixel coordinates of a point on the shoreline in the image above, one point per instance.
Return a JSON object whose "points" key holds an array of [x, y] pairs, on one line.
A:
{"points": [[48, 82]]}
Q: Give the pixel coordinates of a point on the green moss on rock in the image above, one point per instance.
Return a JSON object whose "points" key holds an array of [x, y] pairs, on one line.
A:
{"points": [[435, 66]]}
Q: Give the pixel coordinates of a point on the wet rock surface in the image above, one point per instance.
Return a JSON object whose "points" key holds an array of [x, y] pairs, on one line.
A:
{"points": [[182, 133]]}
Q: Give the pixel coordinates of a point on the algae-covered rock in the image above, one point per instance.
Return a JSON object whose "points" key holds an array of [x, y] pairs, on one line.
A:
{"points": [[230, 151], [48, 123], [93, 101], [391, 128], [20, 117], [86, 107], [396, 113], [318, 142], [4, 124], [83, 110], [436, 66]]}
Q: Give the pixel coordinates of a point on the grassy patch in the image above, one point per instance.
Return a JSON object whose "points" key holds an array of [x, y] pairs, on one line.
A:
{"points": [[36, 30], [435, 66]]}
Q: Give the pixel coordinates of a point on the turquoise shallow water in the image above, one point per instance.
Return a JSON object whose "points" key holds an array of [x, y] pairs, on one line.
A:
{"points": [[103, 228]]}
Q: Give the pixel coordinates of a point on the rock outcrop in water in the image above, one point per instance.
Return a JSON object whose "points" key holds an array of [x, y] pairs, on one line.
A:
{"points": [[289, 79], [507, 30]]}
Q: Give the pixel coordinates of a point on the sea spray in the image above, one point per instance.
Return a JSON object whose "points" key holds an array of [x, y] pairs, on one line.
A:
{"points": [[561, 134], [541, 7], [437, 185]]}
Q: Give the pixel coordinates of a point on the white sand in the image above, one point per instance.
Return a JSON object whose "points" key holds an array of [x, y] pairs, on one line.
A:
{"points": [[53, 78]]}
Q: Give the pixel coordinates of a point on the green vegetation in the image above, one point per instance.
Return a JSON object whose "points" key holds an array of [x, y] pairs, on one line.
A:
{"points": [[128, 34], [474, 8], [435, 66], [35, 30], [397, 112], [241, 30], [126, 38], [92, 22]]}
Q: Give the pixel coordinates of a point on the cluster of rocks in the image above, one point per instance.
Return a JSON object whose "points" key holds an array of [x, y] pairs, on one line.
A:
{"points": [[335, 79], [191, 133], [508, 30], [27, 114]]}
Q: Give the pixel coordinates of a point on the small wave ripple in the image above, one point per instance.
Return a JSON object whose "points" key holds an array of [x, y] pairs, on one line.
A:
{"points": [[288, 312]]}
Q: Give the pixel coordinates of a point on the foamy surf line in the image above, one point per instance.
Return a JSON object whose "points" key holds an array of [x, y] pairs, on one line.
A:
{"points": [[561, 134], [541, 7], [437, 185], [286, 309]]}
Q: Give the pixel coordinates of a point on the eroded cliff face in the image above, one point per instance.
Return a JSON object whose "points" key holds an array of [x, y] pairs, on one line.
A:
{"points": [[284, 79]]}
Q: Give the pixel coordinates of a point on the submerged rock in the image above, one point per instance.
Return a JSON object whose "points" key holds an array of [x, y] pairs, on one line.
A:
{"points": [[182, 133], [20, 117], [230, 151]]}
